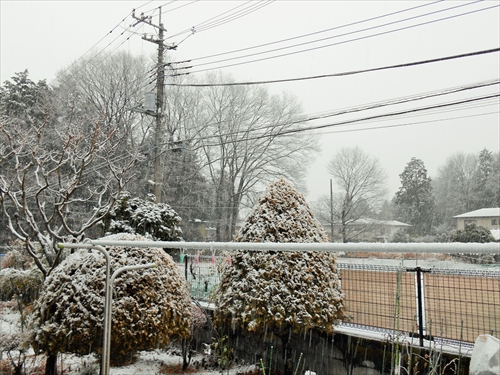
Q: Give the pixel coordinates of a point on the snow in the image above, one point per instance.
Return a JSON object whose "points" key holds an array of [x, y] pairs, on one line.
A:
{"points": [[483, 212], [147, 363], [280, 290], [68, 314], [134, 215]]}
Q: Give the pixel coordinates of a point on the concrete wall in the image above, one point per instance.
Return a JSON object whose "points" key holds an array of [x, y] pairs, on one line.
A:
{"points": [[337, 354]]}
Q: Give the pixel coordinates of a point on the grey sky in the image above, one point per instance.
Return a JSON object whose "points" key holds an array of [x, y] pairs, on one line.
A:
{"points": [[45, 36]]}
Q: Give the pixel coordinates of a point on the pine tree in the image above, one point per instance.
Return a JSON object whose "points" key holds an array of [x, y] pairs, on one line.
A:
{"points": [[414, 200], [281, 292], [157, 221]]}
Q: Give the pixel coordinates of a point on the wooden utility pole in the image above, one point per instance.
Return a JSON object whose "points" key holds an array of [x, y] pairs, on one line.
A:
{"points": [[331, 211], [160, 84]]}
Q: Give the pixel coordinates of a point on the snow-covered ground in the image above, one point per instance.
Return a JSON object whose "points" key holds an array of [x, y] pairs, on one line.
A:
{"points": [[148, 362], [151, 362]]}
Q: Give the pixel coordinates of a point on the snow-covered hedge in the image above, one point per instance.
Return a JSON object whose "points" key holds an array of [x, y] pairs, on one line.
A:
{"points": [[149, 305], [157, 221], [280, 291]]}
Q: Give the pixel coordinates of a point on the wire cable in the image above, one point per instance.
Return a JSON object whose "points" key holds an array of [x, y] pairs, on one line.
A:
{"points": [[286, 132], [408, 123], [352, 72], [320, 47], [306, 35], [215, 21]]}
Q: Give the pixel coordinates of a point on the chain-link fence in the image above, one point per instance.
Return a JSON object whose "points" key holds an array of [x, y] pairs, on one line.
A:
{"points": [[449, 304]]}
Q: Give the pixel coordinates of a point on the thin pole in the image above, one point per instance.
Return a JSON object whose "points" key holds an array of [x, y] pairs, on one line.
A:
{"points": [[107, 323], [109, 303], [331, 210]]}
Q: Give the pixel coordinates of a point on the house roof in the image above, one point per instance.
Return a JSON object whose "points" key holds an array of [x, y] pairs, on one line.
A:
{"points": [[368, 221], [483, 212], [495, 233]]}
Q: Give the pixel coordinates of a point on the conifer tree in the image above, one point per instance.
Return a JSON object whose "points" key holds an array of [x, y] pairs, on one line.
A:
{"points": [[281, 292], [414, 201]]}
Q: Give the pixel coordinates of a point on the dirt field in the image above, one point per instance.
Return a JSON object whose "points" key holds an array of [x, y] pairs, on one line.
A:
{"points": [[456, 307]]}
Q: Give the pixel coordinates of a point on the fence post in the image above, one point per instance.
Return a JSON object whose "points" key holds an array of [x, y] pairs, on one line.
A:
{"points": [[186, 267], [420, 299], [419, 286]]}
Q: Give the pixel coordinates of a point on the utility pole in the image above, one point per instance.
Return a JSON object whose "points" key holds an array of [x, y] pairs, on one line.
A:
{"points": [[331, 211], [160, 84]]}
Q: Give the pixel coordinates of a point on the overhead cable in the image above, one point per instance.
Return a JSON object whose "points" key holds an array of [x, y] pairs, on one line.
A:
{"points": [[319, 47], [352, 72], [354, 121], [305, 35]]}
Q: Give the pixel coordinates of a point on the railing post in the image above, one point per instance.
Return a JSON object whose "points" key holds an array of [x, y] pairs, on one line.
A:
{"points": [[420, 299], [419, 286]]}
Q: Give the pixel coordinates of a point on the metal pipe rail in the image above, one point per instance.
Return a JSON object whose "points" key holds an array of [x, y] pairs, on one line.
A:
{"points": [[446, 248]]}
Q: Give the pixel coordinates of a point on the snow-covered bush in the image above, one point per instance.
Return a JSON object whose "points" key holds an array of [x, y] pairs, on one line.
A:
{"points": [[23, 284], [472, 233], [149, 305], [280, 292], [157, 221], [19, 276]]}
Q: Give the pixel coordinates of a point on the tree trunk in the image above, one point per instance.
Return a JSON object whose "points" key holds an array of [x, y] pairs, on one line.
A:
{"points": [[186, 353], [287, 356], [51, 364]]}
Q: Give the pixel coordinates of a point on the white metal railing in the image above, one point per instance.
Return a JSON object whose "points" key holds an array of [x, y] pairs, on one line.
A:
{"points": [[447, 248], [433, 248]]}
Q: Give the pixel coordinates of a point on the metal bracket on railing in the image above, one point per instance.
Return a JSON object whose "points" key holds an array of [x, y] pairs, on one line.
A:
{"points": [[108, 297], [419, 286]]}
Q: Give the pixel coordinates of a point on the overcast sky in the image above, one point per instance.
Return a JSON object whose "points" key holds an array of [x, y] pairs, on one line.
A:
{"points": [[46, 36]]}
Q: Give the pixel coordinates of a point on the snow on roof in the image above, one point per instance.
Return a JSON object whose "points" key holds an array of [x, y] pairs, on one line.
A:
{"points": [[483, 212], [395, 223], [368, 221], [495, 233]]}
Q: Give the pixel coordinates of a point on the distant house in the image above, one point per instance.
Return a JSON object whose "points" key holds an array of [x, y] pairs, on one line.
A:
{"points": [[485, 217], [369, 230]]}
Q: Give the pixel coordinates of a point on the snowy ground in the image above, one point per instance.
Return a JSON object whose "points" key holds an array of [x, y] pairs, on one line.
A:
{"points": [[148, 363]]}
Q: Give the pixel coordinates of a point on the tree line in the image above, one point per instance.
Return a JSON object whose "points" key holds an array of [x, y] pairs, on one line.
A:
{"points": [[465, 182], [71, 150]]}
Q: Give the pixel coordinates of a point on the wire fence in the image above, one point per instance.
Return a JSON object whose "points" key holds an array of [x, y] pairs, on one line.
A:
{"points": [[446, 304]]}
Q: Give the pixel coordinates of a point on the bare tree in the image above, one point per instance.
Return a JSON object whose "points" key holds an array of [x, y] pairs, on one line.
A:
{"points": [[112, 86], [454, 186], [247, 140], [361, 188], [56, 182]]}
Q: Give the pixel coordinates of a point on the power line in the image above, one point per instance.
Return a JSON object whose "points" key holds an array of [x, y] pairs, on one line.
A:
{"points": [[369, 106], [323, 46], [309, 34], [352, 72], [100, 40], [171, 10], [308, 77], [354, 121], [409, 123], [219, 20]]}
